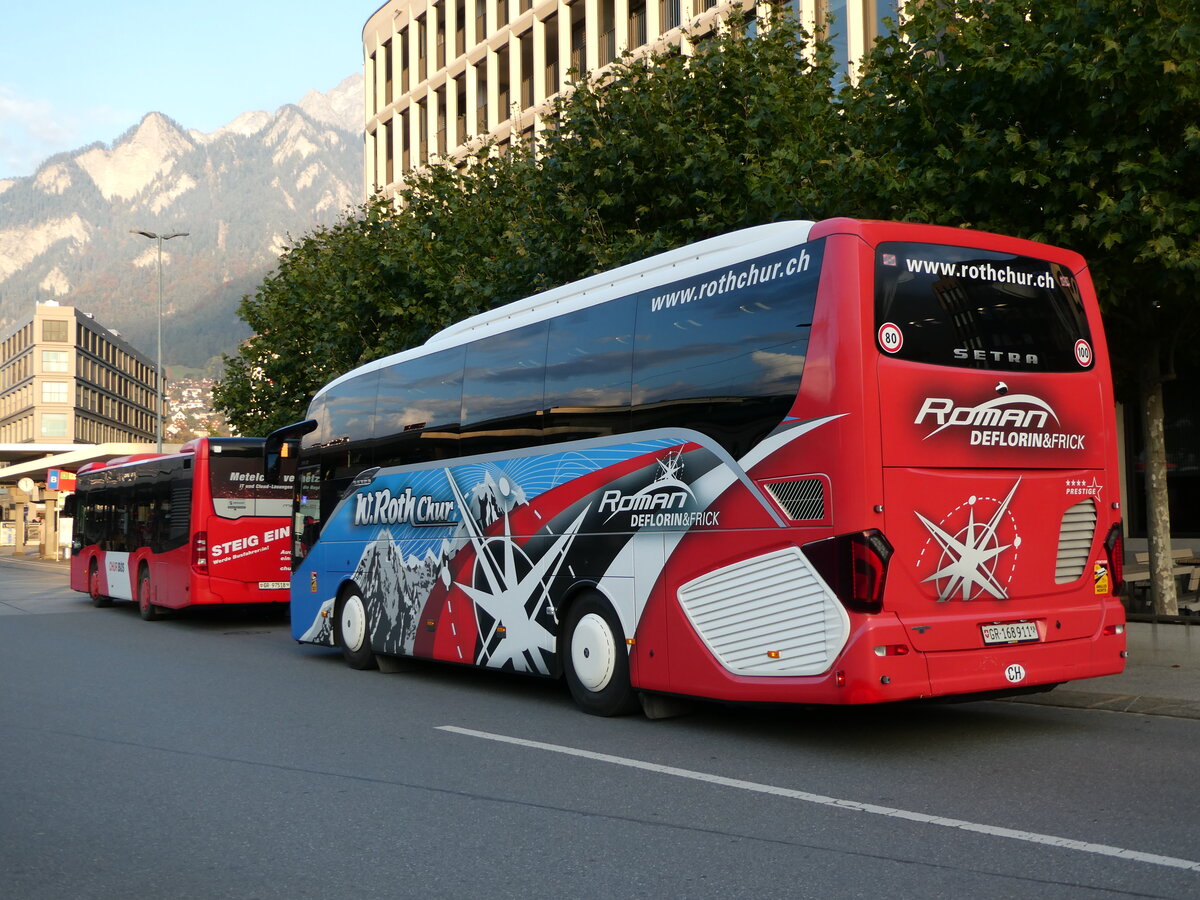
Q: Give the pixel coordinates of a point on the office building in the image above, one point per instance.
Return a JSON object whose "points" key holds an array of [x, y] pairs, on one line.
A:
{"points": [[66, 379], [441, 75]]}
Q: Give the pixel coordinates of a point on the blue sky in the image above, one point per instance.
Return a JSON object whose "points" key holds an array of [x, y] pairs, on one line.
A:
{"points": [[72, 73]]}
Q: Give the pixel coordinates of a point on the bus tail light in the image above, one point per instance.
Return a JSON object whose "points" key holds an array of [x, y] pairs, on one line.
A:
{"points": [[200, 551], [854, 566], [1114, 546]]}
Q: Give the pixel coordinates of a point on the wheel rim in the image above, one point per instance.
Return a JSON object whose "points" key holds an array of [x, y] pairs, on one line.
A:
{"points": [[94, 583], [593, 652], [144, 593], [353, 623]]}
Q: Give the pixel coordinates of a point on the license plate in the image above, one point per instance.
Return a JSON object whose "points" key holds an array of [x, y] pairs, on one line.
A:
{"points": [[274, 585], [1010, 633]]}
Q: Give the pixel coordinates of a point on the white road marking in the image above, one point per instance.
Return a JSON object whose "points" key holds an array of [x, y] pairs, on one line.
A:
{"points": [[1031, 837]]}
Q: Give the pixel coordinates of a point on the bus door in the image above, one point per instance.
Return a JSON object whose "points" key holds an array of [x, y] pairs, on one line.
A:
{"points": [[995, 420]]}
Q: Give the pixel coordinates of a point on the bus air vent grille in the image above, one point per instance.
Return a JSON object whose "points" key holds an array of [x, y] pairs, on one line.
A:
{"points": [[1075, 541], [769, 615], [803, 498]]}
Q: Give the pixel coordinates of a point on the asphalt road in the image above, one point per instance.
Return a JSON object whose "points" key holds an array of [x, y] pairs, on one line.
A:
{"points": [[208, 755]]}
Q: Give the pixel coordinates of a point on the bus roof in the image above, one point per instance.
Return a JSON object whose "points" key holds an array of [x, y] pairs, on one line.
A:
{"points": [[663, 268], [188, 449]]}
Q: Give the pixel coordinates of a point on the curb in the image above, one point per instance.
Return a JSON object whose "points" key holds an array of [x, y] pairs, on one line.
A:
{"points": [[1130, 703]]}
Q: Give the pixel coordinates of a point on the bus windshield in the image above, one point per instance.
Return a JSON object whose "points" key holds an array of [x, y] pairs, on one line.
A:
{"points": [[960, 306]]}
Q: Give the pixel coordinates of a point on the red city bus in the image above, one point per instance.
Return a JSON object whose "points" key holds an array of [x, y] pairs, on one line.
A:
{"points": [[193, 528], [815, 462]]}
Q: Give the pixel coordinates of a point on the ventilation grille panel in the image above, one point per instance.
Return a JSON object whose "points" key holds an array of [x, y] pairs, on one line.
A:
{"points": [[772, 604], [1075, 538], [801, 499]]}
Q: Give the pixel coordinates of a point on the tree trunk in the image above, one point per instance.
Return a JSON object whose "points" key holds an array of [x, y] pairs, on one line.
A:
{"points": [[1158, 515]]}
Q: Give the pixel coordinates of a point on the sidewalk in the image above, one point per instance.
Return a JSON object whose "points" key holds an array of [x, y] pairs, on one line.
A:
{"points": [[1161, 677]]}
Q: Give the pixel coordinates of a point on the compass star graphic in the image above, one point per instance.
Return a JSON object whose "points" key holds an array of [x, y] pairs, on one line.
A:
{"points": [[967, 565], [513, 592]]}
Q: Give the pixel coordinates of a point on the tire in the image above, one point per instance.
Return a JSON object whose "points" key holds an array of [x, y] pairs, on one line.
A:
{"points": [[353, 631], [98, 599], [148, 610], [596, 662]]}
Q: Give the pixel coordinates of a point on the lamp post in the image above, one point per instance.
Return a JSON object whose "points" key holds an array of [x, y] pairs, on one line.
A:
{"points": [[158, 363]]}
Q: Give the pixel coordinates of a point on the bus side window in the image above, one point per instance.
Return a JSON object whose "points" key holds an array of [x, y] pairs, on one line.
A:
{"points": [[589, 372], [418, 413], [503, 391], [727, 365]]}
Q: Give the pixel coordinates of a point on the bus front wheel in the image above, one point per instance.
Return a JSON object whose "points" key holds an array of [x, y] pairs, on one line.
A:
{"points": [[94, 589], [148, 610], [596, 661], [353, 633]]}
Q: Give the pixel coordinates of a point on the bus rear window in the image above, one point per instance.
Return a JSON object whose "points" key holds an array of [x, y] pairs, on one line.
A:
{"points": [[239, 489], [978, 309]]}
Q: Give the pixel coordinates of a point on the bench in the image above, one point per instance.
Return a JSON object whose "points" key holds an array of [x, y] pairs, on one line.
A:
{"points": [[1186, 566]]}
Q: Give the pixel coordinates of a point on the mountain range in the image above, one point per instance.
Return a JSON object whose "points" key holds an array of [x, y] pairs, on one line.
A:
{"points": [[242, 193]]}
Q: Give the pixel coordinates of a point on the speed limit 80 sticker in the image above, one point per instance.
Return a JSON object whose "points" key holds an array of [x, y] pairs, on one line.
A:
{"points": [[890, 337]]}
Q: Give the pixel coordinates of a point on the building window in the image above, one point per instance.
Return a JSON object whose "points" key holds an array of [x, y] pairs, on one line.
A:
{"points": [[387, 72], [54, 424], [422, 49], [54, 392], [669, 14], [404, 61], [54, 361], [389, 155], [551, 54], [54, 330]]}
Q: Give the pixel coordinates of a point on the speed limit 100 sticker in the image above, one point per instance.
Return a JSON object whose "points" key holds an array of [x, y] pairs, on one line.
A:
{"points": [[891, 338], [1083, 353]]}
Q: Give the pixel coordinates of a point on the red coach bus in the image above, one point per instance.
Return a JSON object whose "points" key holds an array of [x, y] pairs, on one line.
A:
{"points": [[812, 462], [192, 528]]}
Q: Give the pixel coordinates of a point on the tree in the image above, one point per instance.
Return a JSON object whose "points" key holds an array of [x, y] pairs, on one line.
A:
{"points": [[657, 154], [1074, 123], [670, 149]]}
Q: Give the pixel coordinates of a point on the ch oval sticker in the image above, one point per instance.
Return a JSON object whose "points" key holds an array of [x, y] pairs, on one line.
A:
{"points": [[1015, 673]]}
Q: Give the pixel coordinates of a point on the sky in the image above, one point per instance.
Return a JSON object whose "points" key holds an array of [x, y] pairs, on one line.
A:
{"points": [[73, 73]]}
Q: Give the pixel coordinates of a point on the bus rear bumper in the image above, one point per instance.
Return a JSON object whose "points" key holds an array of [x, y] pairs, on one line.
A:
{"points": [[879, 665]]}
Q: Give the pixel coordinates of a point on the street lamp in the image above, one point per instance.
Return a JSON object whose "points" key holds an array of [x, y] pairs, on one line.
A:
{"points": [[160, 238]]}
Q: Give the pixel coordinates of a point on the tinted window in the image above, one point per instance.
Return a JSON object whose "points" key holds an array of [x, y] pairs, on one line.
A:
{"points": [[589, 370], [417, 416], [235, 476], [957, 306], [503, 390], [350, 407], [723, 353]]}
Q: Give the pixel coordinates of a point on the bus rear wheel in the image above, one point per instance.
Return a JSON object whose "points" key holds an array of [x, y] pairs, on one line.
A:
{"points": [[94, 590], [353, 632], [596, 661], [148, 610]]}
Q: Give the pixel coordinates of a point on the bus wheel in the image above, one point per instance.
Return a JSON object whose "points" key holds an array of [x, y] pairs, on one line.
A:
{"points": [[148, 610], [98, 599], [596, 661], [352, 631]]}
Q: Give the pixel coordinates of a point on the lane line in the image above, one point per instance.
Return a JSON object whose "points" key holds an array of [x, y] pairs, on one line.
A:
{"points": [[1031, 837]]}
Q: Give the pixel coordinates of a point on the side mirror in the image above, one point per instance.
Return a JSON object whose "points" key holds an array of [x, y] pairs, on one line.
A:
{"points": [[281, 449]]}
